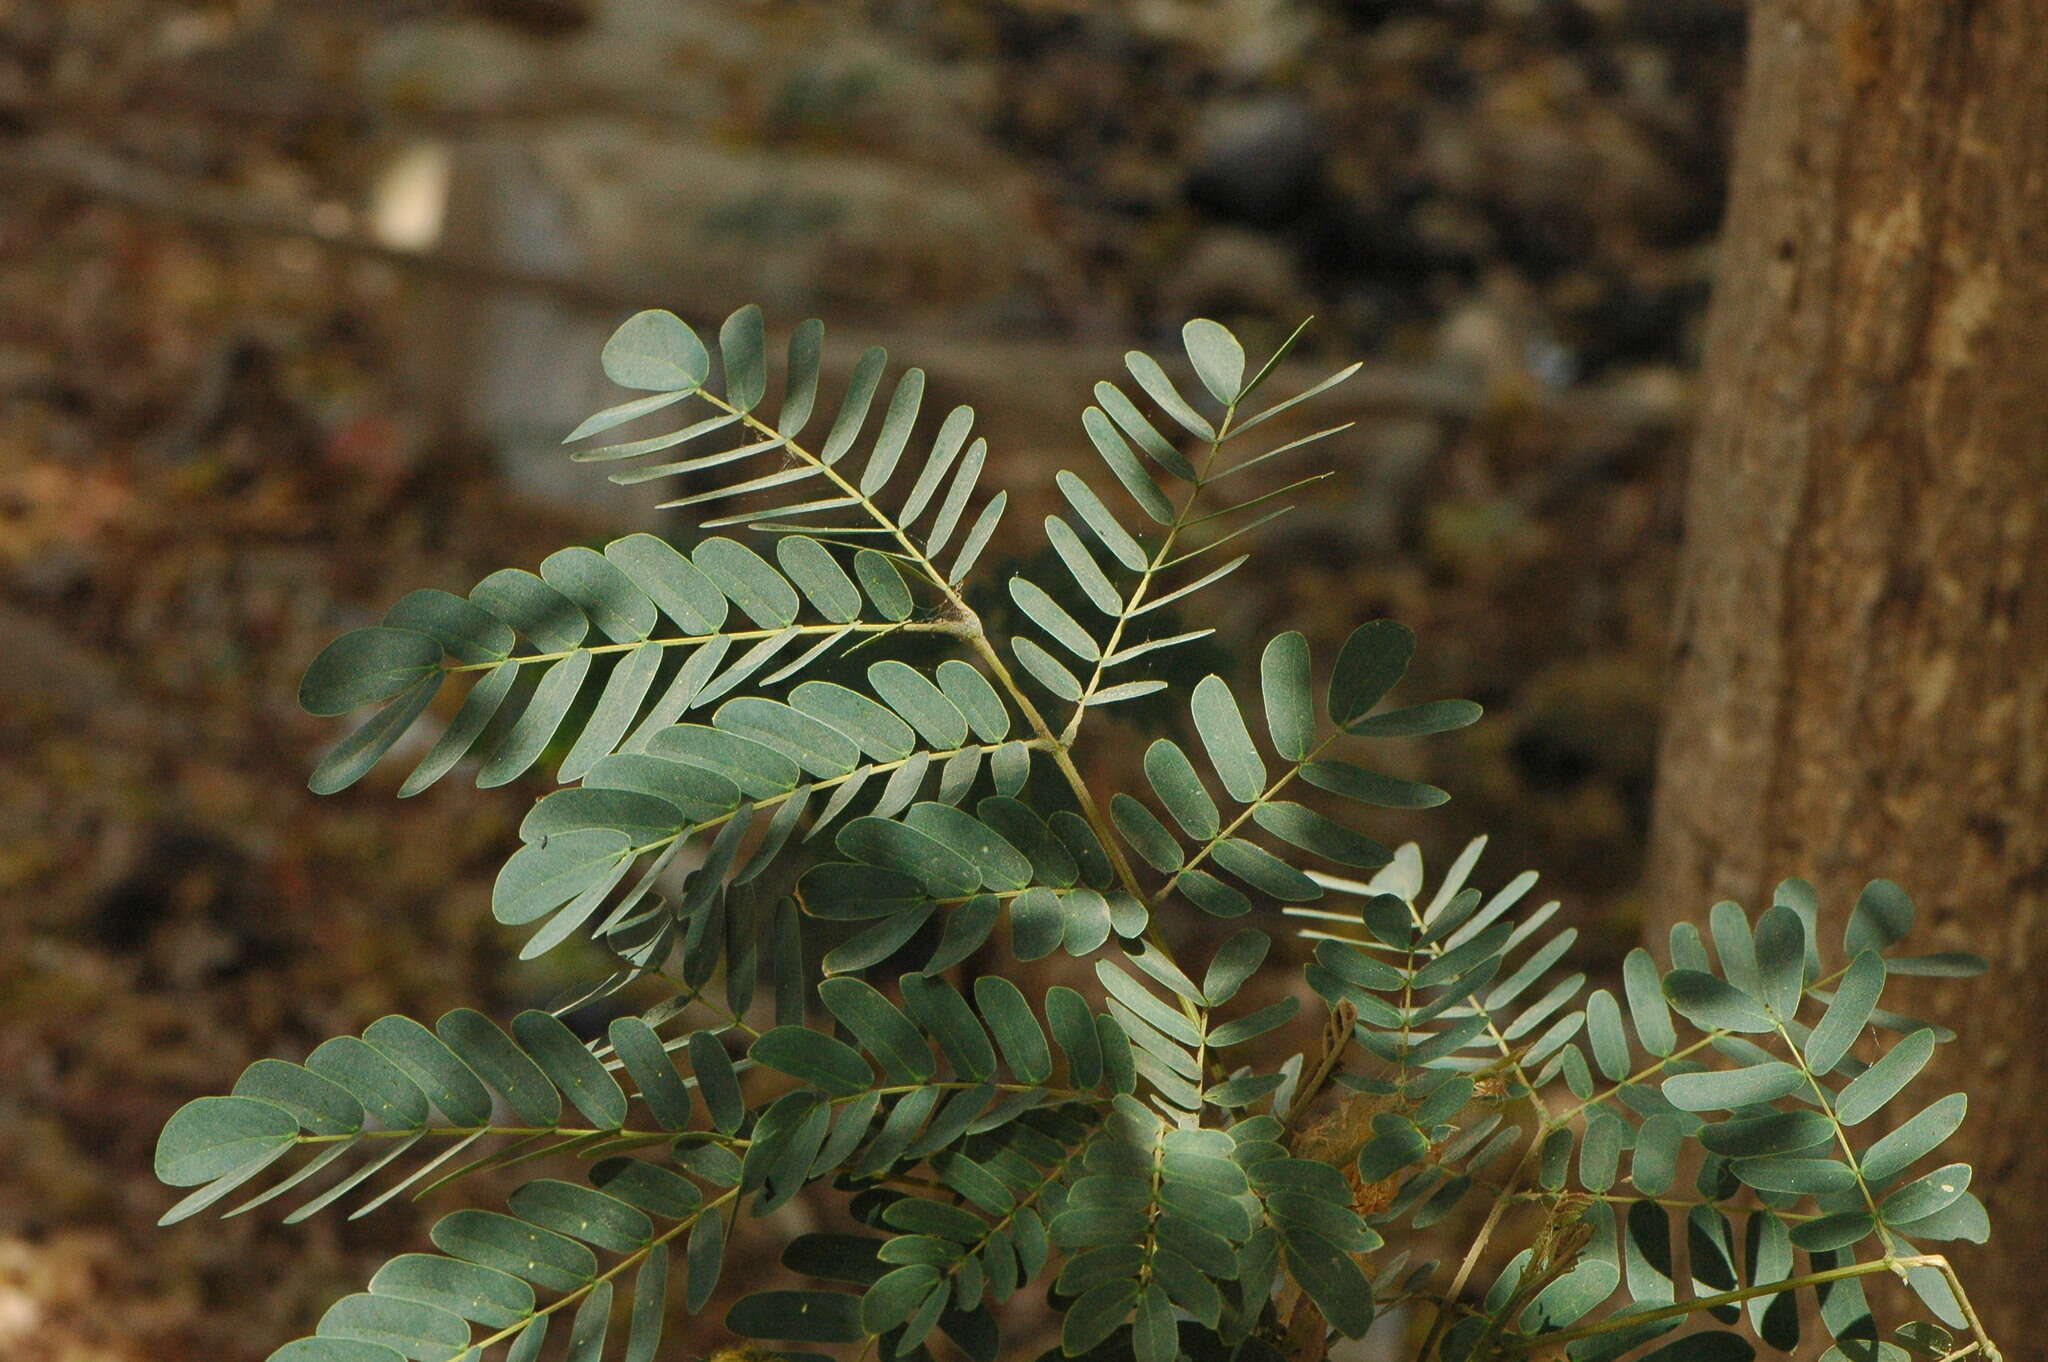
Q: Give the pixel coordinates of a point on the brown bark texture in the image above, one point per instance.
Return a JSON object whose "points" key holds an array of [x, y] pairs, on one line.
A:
{"points": [[1860, 670]]}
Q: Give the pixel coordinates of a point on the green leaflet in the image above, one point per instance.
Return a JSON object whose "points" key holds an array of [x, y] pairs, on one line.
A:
{"points": [[1332, 1280], [536, 725], [1849, 1012], [623, 695], [647, 1061], [581, 1212], [591, 1324], [946, 446], [1314, 390], [1050, 616], [1212, 895], [975, 698], [671, 581], [854, 406], [382, 1088], [1142, 432], [492, 1055], [544, 615], [1900, 1149], [1714, 1003], [744, 576], [413, 1329], [943, 871], [1015, 1029], [1100, 521], [742, 345], [756, 770], [479, 707], [1372, 660], [880, 734], [571, 1067], [1226, 740], [944, 1014], [488, 1239], [716, 1081], [633, 449], [1161, 390], [1290, 708], [818, 575], [849, 890], [1784, 1132], [921, 703], [631, 410], [895, 431], [365, 666], [1125, 466], [642, 818], [1145, 833], [351, 758], [1838, 1230], [1727, 1089], [977, 538], [1370, 787], [1000, 865], [1046, 669], [883, 584], [1799, 1176], [1181, 790], [483, 1295], [1264, 871], [1437, 716], [954, 506], [319, 1105], [1309, 830], [604, 593], [541, 877], [1254, 1024], [1082, 567], [1882, 917], [1019, 825], [806, 354], [881, 1028], [817, 747], [1217, 357], [1882, 1081], [656, 350], [1646, 1006], [1781, 960], [210, 1137], [433, 1067], [468, 633], [1736, 948], [696, 794]]}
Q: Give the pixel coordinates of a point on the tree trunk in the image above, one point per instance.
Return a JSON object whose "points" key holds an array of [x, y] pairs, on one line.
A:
{"points": [[1860, 677]]}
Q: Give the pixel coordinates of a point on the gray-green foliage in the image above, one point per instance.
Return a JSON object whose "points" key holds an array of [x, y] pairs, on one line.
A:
{"points": [[801, 784]]}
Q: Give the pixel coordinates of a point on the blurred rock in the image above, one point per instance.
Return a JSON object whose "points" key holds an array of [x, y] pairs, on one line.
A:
{"points": [[1257, 161]]}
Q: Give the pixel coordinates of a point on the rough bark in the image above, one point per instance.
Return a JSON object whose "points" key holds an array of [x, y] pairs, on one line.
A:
{"points": [[1860, 674]]}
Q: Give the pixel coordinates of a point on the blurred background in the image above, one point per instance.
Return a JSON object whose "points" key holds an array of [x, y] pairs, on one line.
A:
{"points": [[297, 300]]}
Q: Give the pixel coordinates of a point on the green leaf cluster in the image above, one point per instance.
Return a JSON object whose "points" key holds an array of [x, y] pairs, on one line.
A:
{"points": [[804, 804], [1743, 1065]]}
